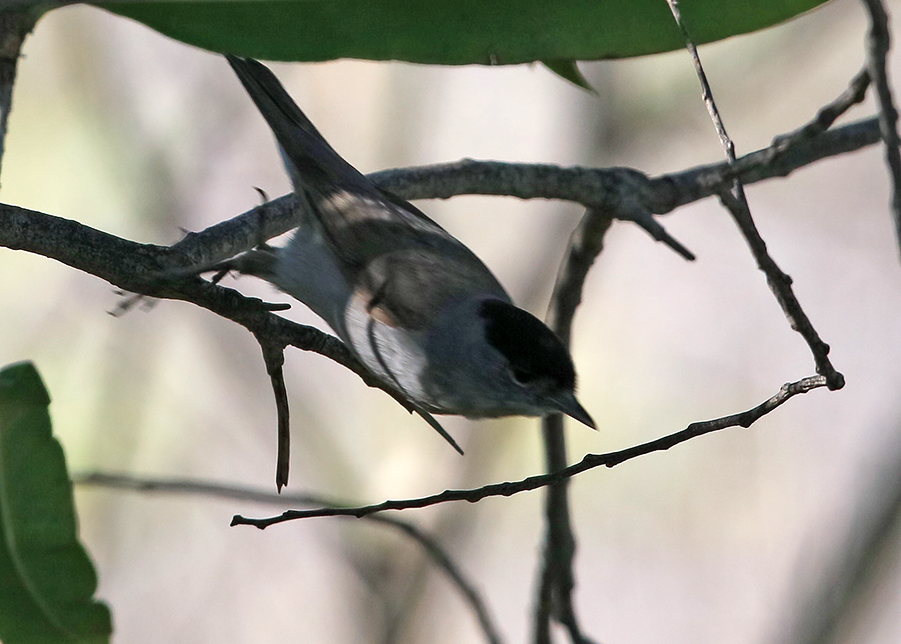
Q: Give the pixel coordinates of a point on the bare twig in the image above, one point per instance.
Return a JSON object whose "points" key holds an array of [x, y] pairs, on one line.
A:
{"points": [[737, 204], [274, 358], [706, 92], [557, 581], [644, 219], [138, 267], [590, 461], [429, 544], [784, 145], [878, 44], [781, 286], [826, 116]]}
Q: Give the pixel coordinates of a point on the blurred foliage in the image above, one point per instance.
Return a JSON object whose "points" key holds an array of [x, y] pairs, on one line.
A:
{"points": [[47, 578]]}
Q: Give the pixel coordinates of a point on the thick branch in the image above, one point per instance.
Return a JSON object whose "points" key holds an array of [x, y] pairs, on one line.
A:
{"points": [[590, 461], [621, 191], [604, 187], [140, 267]]}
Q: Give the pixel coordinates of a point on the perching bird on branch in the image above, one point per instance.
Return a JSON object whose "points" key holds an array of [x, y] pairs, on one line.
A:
{"points": [[414, 304]]}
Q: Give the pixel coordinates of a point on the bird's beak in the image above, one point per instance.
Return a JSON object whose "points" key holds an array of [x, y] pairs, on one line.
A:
{"points": [[571, 407]]}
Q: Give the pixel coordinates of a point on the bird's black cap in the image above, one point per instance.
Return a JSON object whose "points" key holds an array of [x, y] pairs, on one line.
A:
{"points": [[531, 348]]}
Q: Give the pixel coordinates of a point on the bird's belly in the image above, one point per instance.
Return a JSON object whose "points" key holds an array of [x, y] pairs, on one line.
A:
{"points": [[308, 271], [392, 353]]}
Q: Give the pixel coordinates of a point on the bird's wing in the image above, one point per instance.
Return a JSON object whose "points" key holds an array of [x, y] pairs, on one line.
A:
{"points": [[407, 264]]}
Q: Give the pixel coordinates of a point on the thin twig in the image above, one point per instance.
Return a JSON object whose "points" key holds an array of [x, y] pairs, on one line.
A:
{"points": [[878, 45], [735, 201], [784, 145], [274, 358], [706, 92], [590, 461], [781, 286], [557, 580], [826, 116], [429, 544]]}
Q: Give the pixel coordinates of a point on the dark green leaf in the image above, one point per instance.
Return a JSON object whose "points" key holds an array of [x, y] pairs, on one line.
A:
{"points": [[451, 32], [47, 580]]}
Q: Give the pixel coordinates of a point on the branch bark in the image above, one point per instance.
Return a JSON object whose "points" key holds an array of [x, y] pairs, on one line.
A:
{"points": [[623, 192], [588, 462]]}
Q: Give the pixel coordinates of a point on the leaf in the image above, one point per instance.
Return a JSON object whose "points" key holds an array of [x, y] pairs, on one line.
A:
{"points": [[47, 580], [567, 69], [450, 32]]}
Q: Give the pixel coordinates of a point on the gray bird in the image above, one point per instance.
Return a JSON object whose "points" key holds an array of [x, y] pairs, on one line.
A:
{"points": [[414, 304]]}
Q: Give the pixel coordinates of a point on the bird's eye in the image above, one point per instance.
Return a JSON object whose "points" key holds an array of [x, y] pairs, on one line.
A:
{"points": [[522, 375]]}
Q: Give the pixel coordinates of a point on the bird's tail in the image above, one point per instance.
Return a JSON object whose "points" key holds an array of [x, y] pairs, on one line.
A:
{"points": [[311, 161]]}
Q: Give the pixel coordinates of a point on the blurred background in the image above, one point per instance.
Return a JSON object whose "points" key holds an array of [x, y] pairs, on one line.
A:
{"points": [[725, 538]]}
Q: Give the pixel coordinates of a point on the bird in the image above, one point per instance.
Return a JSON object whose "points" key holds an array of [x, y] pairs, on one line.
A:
{"points": [[417, 307]]}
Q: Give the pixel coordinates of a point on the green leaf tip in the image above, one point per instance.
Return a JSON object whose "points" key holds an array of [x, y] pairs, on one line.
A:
{"points": [[567, 69], [21, 384]]}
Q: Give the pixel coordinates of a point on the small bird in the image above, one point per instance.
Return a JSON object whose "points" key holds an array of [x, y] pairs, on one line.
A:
{"points": [[414, 304]]}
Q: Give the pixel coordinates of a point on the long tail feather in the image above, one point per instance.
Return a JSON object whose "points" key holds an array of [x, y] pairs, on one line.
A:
{"points": [[313, 159]]}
